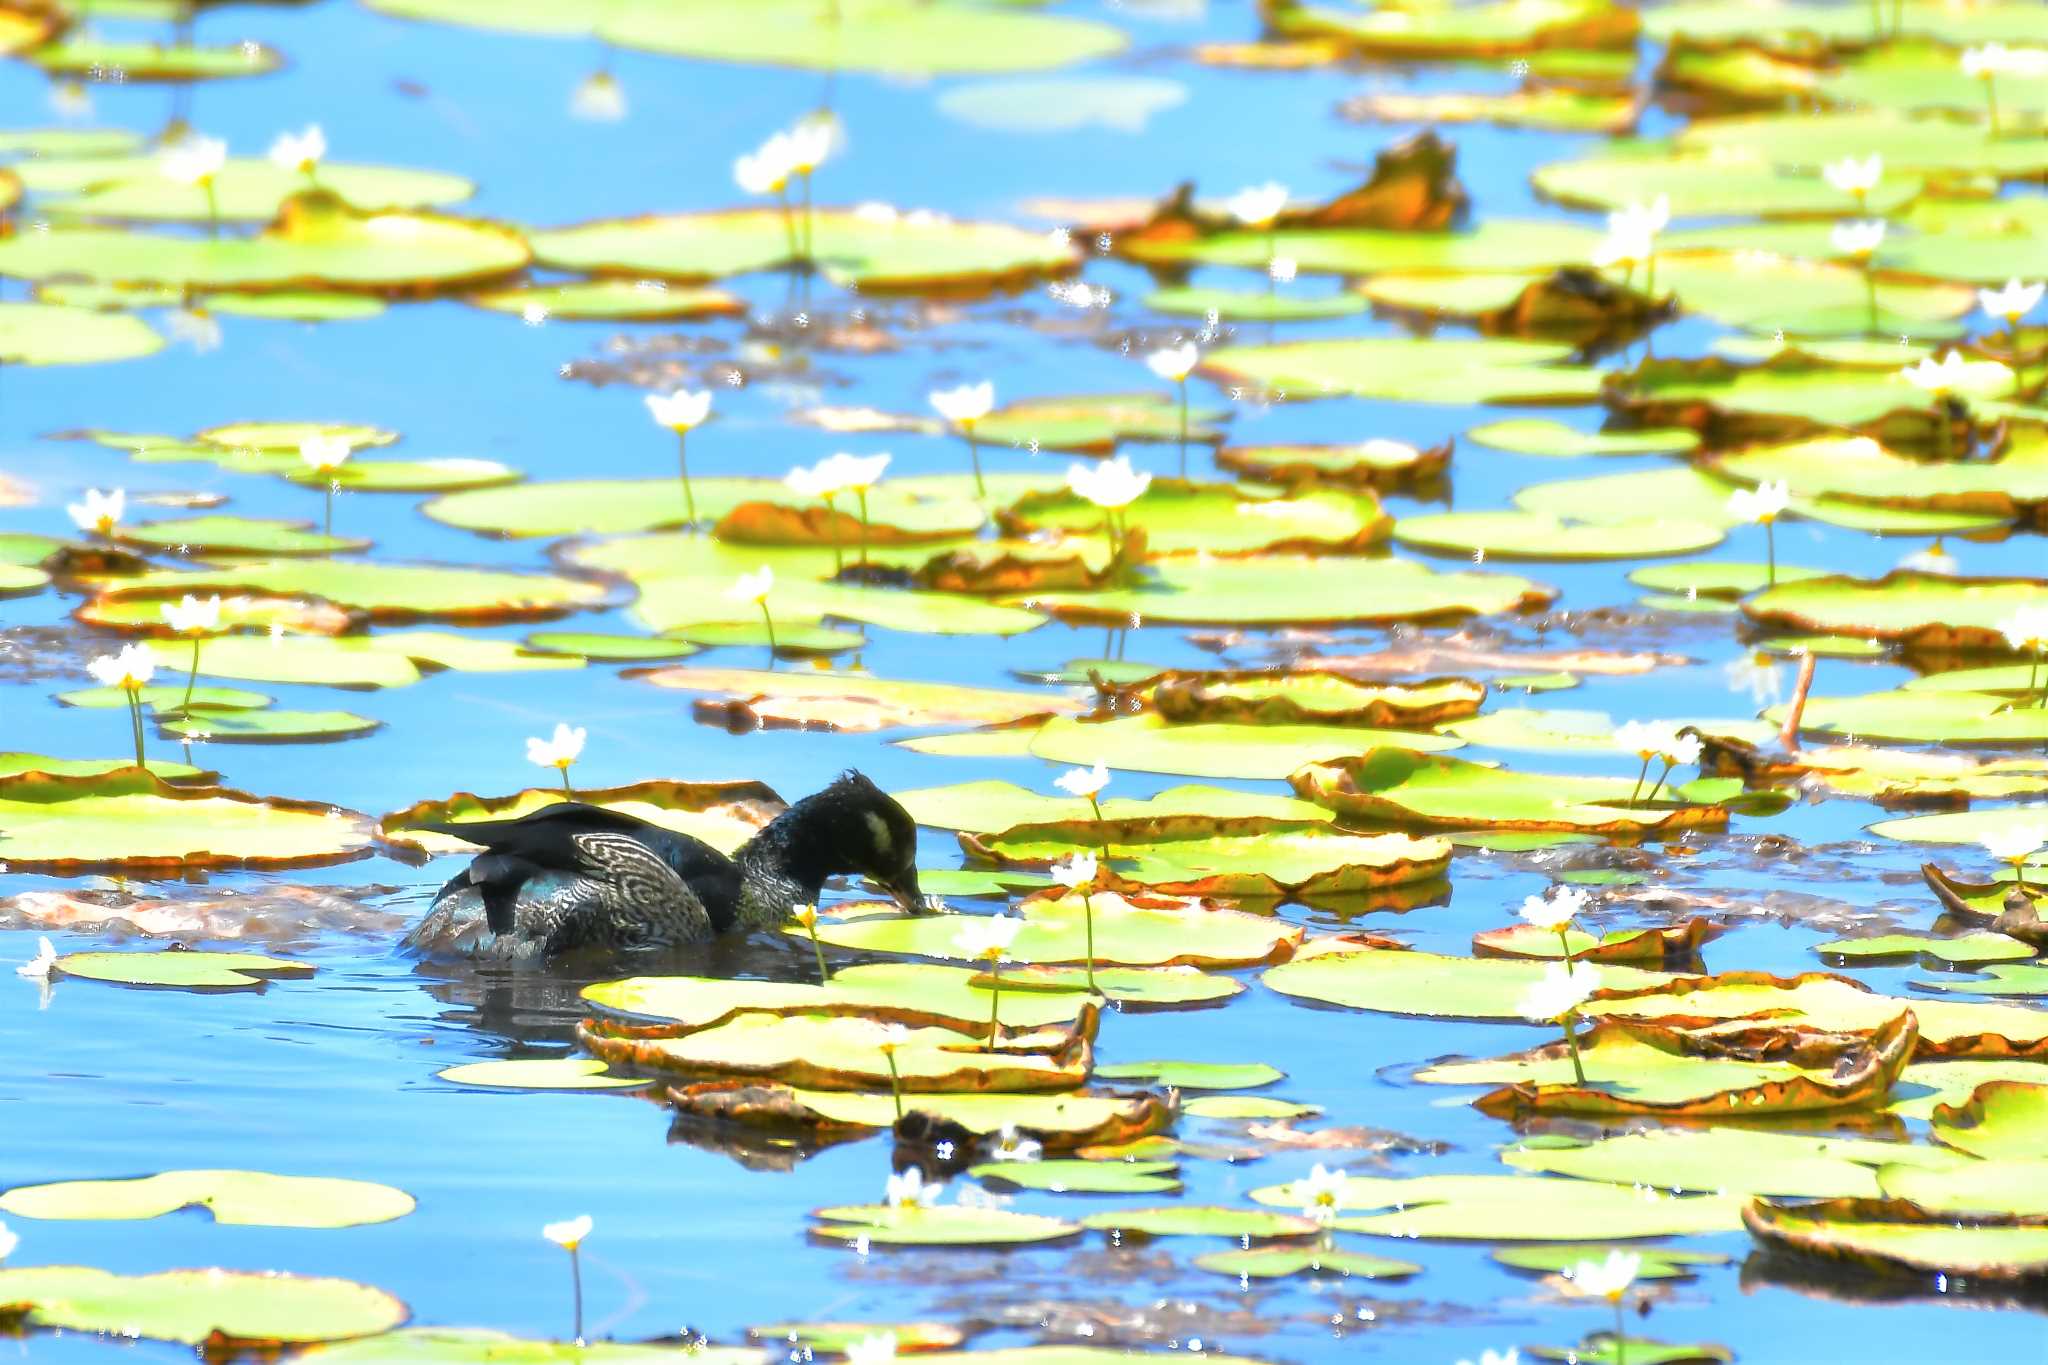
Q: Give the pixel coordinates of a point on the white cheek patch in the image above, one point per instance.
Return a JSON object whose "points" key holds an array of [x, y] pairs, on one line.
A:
{"points": [[880, 829]]}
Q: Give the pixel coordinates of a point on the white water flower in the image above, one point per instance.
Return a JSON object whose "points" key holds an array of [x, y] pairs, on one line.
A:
{"points": [[1632, 233], [8, 1242], [765, 170], [1074, 870], [679, 411], [1322, 1194], [1561, 990], [193, 616], [2026, 628], [1758, 675], [1859, 239], [1174, 363], [1763, 503], [1608, 1279], [195, 327], [1984, 62], [598, 98], [820, 480], [1011, 1145], [1083, 781], [1932, 560], [1644, 739], [36, 968], [1110, 484], [1555, 909], [1684, 750], [1953, 374], [1282, 269], [132, 668], [2014, 845], [988, 936], [813, 139], [99, 511], [568, 1235], [299, 152], [2013, 302], [858, 472], [965, 405], [559, 750], [753, 587], [193, 160], [910, 1190], [879, 1349], [324, 453], [1510, 1356], [1852, 176], [1258, 205]]}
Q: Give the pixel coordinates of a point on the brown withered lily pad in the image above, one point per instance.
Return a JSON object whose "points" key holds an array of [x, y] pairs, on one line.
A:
{"points": [[747, 698], [1377, 464], [1666, 943], [722, 814], [1061, 1122], [1313, 697], [1898, 1236]]}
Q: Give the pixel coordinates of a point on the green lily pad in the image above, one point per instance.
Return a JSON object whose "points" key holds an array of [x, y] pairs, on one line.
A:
{"points": [[1247, 1107], [790, 637], [878, 253], [295, 305], [1603, 1348], [346, 661], [1222, 519], [390, 592], [481, 1346], [1553, 439], [1717, 578], [2012, 680], [317, 242], [243, 1197], [1070, 1176], [194, 1306], [1126, 934], [1734, 1160], [1973, 1187], [1705, 498], [18, 580], [449, 474], [612, 301], [12, 764], [1150, 743], [288, 436], [1196, 1220], [722, 814], [1425, 984], [1922, 717], [1929, 611], [247, 188], [913, 994], [1410, 789], [1800, 25], [1810, 141], [943, 1225], [38, 143], [1094, 423], [1241, 306], [1999, 1121], [251, 726], [130, 819], [1309, 863], [1439, 370], [1529, 729], [1194, 1075], [1133, 988], [152, 62], [182, 971], [609, 648], [1514, 1208], [1863, 471], [1899, 1236], [51, 334], [989, 807], [1266, 591], [2028, 979], [1278, 1262], [1495, 29], [540, 1073], [1978, 947], [169, 697], [1311, 696], [834, 1337], [1658, 1263], [231, 535], [1701, 186], [1533, 535], [846, 701]]}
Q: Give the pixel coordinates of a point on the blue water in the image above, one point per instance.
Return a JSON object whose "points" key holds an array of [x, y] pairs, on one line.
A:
{"points": [[335, 1075]]}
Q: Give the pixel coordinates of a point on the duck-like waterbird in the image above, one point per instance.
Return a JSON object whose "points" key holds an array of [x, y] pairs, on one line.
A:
{"points": [[575, 877]]}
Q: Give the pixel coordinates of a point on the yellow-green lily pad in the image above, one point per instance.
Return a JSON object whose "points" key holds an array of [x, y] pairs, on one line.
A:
{"points": [[254, 1198], [195, 1306]]}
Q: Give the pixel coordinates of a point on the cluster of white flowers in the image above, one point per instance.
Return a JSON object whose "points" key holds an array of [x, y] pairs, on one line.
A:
{"points": [[1631, 238], [1654, 739], [799, 151]]}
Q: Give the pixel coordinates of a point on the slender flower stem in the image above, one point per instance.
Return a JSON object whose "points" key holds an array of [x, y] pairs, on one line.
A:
{"points": [[1184, 426], [1771, 553], [1650, 276], [135, 722], [212, 209], [1637, 790], [1991, 98], [810, 225], [895, 1077], [1870, 298], [818, 950], [1565, 943], [683, 464], [832, 519], [1620, 1334], [1095, 805], [576, 1281], [1088, 918], [327, 515], [1662, 778], [2033, 667], [788, 223], [2019, 871], [862, 494], [191, 680], [1941, 419], [974, 454], [995, 1000], [567, 790], [1571, 1040], [769, 622]]}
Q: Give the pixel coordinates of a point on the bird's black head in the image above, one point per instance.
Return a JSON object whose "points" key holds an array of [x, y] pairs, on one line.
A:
{"points": [[855, 826]]}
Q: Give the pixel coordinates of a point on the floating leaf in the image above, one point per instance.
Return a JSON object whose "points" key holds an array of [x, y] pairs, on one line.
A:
{"points": [[1247, 1107], [748, 698], [1082, 1177], [835, 1337], [1438, 370], [392, 592], [245, 1197], [1403, 982], [130, 819], [1733, 1160], [612, 301], [249, 188], [1061, 1121], [1308, 864], [482, 1346], [1235, 306], [1310, 696], [1096, 423], [252, 726], [1266, 591], [1367, 464], [942, 1225], [2000, 1121], [1897, 1235], [1277, 1262], [220, 534], [609, 648], [1921, 611], [722, 814], [1221, 519], [1514, 1208], [1151, 743], [1548, 437], [152, 62], [1979, 947], [185, 971], [1658, 1263], [1972, 1187], [1196, 1220], [349, 661], [919, 995], [1195, 1075], [195, 1306], [1406, 788], [51, 334], [990, 807], [540, 1073], [1127, 933], [1676, 942], [1536, 536]]}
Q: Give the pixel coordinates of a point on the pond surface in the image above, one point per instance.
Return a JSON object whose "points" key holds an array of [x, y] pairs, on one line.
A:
{"points": [[336, 1074]]}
